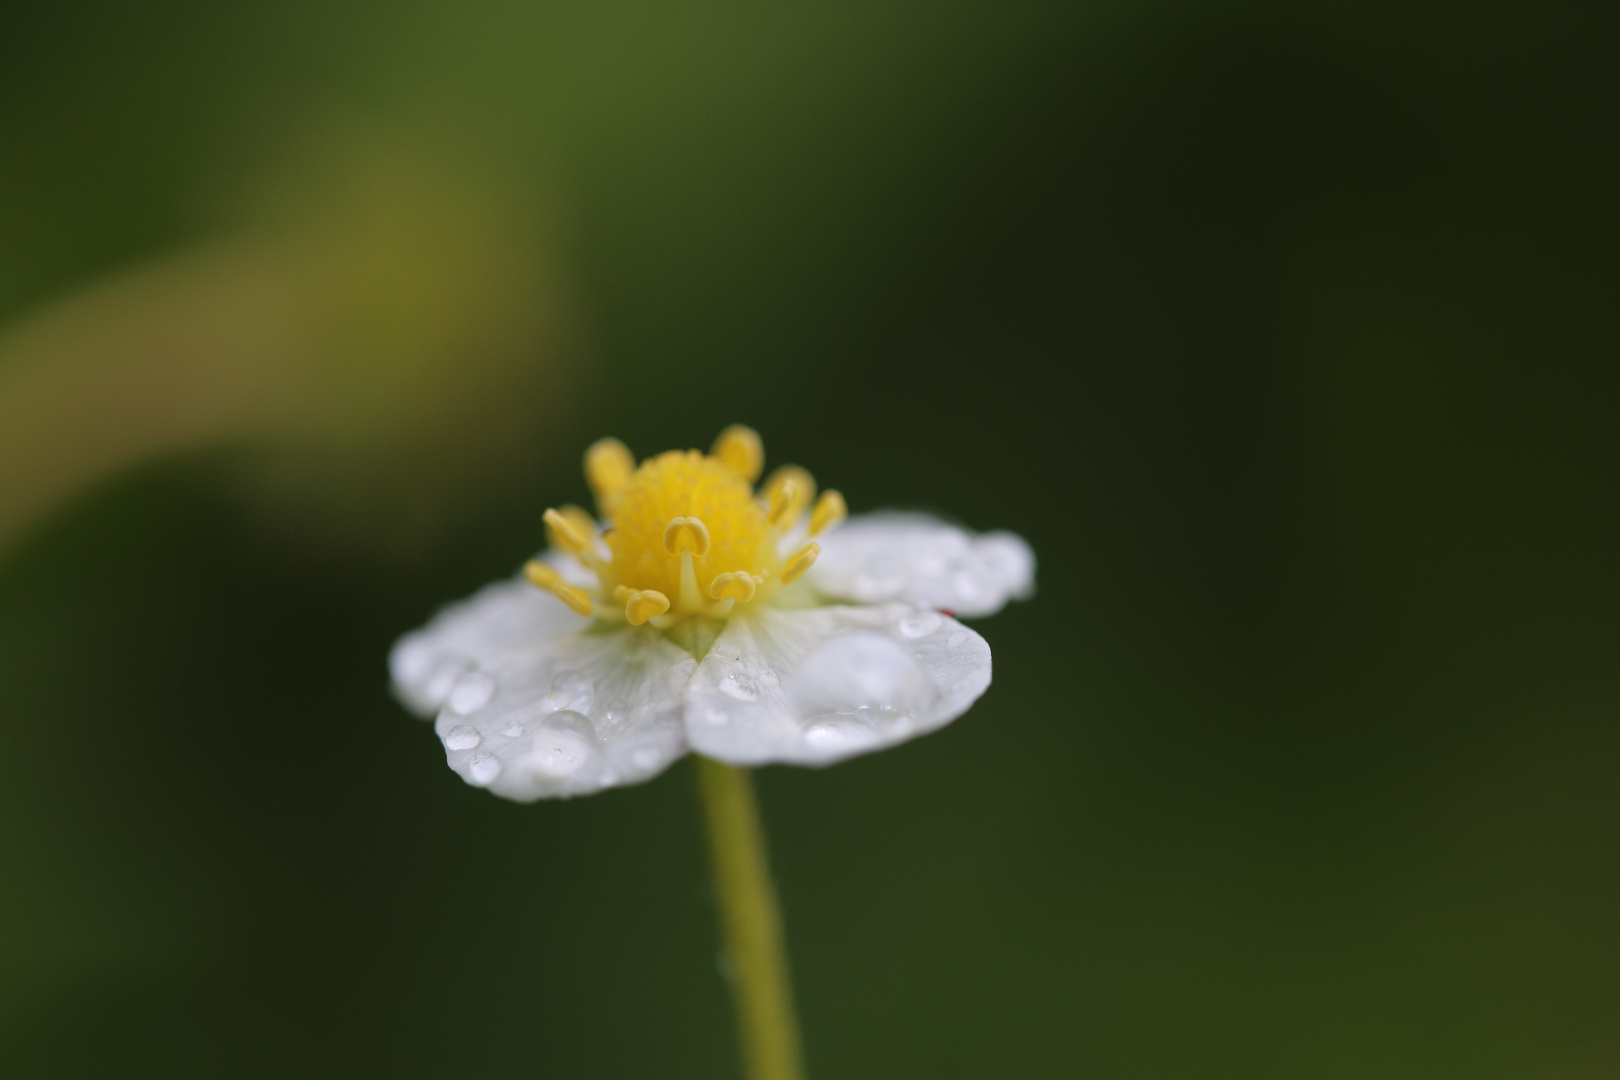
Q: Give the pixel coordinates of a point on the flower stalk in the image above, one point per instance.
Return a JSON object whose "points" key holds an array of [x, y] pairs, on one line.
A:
{"points": [[751, 922]]}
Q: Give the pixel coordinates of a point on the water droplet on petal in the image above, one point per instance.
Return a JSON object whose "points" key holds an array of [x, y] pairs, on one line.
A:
{"points": [[717, 716], [770, 678], [841, 732], [823, 734], [856, 730], [1000, 559], [471, 692], [919, 624], [967, 585], [740, 685], [445, 674], [564, 742], [610, 778], [884, 578], [860, 670], [573, 691], [462, 737], [484, 768], [514, 729]]}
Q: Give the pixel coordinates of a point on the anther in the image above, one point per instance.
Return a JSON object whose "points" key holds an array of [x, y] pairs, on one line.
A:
{"points": [[799, 496], [623, 593], [738, 448], [800, 563], [830, 510], [563, 533], [582, 521], [544, 577], [574, 598], [642, 605], [608, 468], [686, 534], [738, 585], [540, 575], [782, 501]]}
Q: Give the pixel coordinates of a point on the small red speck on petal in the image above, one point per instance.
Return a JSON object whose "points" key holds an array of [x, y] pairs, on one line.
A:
{"points": [[947, 611]]}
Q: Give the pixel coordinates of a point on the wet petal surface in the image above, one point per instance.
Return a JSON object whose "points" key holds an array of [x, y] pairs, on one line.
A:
{"points": [[813, 686], [586, 711], [923, 561], [508, 618]]}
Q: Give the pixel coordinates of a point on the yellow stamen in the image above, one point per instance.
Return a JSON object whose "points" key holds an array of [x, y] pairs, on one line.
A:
{"points": [[788, 491], [738, 448], [738, 585], [689, 535], [829, 511], [544, 577], [782, 501], [563, 534], [608, 468], [643, 604], [800, 563], [574, 598], [649, 548], [686, 534], [688, 595], [581, 520]]}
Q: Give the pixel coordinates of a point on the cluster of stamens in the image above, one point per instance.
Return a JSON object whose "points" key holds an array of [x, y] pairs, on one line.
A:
{"points": [[687, 533]]}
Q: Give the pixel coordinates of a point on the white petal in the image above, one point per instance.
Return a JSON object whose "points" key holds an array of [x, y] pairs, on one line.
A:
{"points": [[923, 561], [502, 619], [816, 685], [585, 711]]}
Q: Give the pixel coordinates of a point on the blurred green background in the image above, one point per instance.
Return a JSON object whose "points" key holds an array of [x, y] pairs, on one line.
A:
{"points": [[1288, 337]]}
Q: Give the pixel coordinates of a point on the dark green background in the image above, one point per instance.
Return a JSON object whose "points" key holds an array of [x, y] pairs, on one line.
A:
{"points": [[1287, 339]]}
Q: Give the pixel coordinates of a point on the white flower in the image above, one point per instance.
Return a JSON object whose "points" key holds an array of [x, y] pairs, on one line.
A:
{"points": [[704, 617]]}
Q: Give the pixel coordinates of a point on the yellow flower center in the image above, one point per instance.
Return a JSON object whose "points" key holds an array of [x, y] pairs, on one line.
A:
{"points": [[722, 527], [686, 532]]}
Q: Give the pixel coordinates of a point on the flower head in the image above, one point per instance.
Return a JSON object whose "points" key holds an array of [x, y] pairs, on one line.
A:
{"points": [[698, 611]]}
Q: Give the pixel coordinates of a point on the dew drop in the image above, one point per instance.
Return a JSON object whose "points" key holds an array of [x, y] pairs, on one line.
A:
{"points": [[853, 730], [770, 678], [563, 745], [740, 685], [919, 624], [572, 691], [462, 737], [514, 729], [860, 670], [471, 692], [967, 585], [445, 675], [484, 768], [717, 716], [880, 581], [823, 735], [841, 731]]}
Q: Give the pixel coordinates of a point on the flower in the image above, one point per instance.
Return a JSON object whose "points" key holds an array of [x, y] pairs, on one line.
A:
{"points": [[704, 615]]}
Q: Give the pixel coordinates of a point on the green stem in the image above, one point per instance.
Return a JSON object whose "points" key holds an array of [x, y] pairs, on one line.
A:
{"points": [[756, 961]]}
